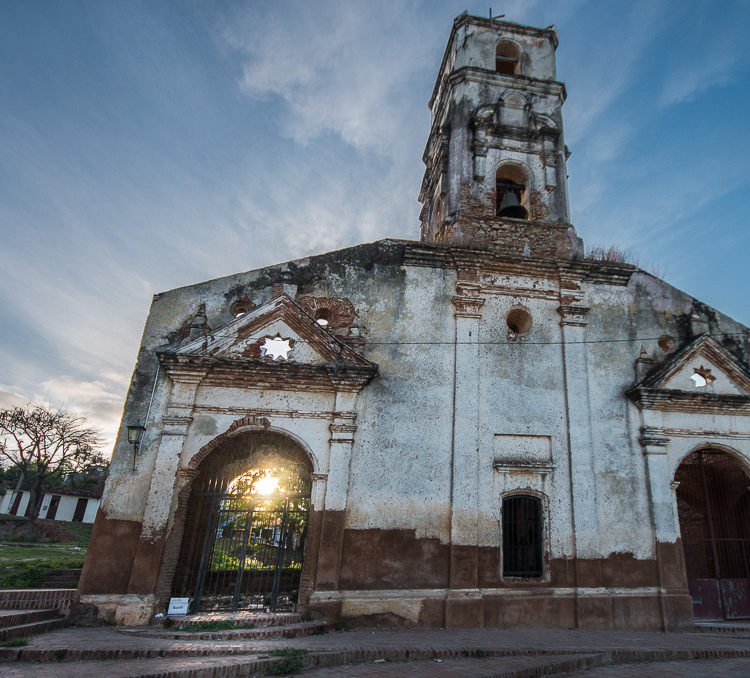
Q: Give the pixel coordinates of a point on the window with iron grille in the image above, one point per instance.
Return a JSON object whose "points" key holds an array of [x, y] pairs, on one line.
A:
{"points": [[522, 536]]}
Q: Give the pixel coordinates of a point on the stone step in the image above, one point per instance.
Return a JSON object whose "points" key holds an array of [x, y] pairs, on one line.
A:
{"points": [[15, 617], [323, 664], [256, 618], [263, 632], [37, 599], [256, 662], [741, 627], [31, 629]]}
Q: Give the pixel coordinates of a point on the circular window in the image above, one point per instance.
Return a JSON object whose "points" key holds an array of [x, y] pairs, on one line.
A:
{"points": [[519, 320], [322, 317]]}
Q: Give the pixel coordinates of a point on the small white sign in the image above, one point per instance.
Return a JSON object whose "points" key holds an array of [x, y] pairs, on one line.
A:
{"points": [[178, 606]]}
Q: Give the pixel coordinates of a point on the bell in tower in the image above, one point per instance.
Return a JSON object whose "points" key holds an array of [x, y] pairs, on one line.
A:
{"points": [[509, 200], [495, 159]]}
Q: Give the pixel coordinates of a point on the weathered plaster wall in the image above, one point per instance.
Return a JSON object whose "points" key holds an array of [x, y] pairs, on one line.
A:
{"points": [[417, 508]]}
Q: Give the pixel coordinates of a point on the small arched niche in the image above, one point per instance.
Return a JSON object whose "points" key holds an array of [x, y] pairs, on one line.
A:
{"points": [[512, 195], [507, 58]]}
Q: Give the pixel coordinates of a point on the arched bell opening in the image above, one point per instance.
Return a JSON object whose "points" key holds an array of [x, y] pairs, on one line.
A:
{"points": [[507, 58], [511, 191], [713, 504], [245, 530]]}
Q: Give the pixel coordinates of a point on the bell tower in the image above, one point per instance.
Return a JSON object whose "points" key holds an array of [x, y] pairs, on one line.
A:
{"points": [[495, 174]]}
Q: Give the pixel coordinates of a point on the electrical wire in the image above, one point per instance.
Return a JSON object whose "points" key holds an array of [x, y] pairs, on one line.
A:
{"points": [[513, 343]]}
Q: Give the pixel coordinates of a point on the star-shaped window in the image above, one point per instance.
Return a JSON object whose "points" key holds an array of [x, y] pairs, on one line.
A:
{"points": [[702, 377], [276, 348]]}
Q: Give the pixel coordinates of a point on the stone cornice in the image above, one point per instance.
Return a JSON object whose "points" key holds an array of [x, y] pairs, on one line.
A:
{"points": [[251, 373], [442, 256], [673, 400]]}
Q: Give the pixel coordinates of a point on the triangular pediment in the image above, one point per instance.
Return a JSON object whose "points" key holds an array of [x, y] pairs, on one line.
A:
{"points": [[277, 332], [703, 375], [704, 365]]}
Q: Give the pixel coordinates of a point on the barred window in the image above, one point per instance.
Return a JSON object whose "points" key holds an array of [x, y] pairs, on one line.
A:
{"points": [[522, 536]]}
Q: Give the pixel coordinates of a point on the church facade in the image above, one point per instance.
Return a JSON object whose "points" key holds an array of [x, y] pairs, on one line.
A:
{"points": [[480, 428]]}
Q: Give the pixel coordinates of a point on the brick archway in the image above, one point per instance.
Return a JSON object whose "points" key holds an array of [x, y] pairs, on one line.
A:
{"points": [[224, 451]]}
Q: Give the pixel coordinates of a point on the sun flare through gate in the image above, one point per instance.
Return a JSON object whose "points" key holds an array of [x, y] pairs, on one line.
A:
{"points": [[245, 531]]}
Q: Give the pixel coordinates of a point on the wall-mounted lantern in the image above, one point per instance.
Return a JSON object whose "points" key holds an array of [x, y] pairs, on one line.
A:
{"points": [[135, 436]]}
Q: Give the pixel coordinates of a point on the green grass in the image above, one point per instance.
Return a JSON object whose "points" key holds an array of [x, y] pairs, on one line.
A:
{"points": [[81, 531], [16, 551], [218, 625], [26, 564], [15, 642], [290, 662]]}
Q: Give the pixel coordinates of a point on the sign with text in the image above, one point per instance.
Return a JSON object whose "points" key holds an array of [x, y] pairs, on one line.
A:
{"points": [[178, 606]]}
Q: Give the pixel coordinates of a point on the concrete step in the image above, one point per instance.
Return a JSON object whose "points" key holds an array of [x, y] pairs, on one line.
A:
{"points": [[31, 629], [15, 617]]}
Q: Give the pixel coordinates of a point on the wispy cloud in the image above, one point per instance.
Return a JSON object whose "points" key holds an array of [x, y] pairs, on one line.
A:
{"points": [[619, 47], [339, 67], [99, 400], [10, 399], [713, 64]]}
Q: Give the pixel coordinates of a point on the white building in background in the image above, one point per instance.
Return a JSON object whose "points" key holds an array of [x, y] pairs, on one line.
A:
{"points": [[60, 504]]}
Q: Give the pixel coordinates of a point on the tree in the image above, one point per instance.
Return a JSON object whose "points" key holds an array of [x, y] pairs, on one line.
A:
{"points": [[42, 443]]}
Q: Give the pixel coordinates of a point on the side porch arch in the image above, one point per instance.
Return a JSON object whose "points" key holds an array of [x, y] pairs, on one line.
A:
{"points": [[712, 489]]}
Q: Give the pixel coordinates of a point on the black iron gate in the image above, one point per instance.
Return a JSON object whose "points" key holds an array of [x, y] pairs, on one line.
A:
{"points": [[713, 502], [251, 553]]}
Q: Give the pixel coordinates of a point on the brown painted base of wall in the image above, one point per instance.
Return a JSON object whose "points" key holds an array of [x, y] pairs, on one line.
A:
{"points": [[455, 609], [110, 555]]}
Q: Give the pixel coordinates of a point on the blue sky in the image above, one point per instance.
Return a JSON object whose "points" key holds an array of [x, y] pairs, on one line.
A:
{"points": [[148, 145]]}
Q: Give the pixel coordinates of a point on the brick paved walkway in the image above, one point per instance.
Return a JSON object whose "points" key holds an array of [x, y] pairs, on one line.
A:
{"points": [[77, 652], [707, 668]]}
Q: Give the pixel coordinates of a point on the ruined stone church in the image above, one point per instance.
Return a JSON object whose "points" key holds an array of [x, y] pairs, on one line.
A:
{"points": [[479, 428]]}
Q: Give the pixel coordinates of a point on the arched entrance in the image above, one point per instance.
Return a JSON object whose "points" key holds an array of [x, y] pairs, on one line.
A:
{"points": [[246, 524], [713, 503]]}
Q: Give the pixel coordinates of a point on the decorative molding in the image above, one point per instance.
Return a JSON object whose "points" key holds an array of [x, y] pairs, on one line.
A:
{"points": [[468, 307], [673, 400], [698, 433], [573, 315], [509, 291], [520, 468], [343, 428], [280, 375], [342, 313], [703, 347], [265, 412], [438, 256], [176, 420], [651, 437]]}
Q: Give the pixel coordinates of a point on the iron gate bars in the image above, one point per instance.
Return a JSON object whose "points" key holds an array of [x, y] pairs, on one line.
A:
{"points": [[714, 510], [251, 554]]}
